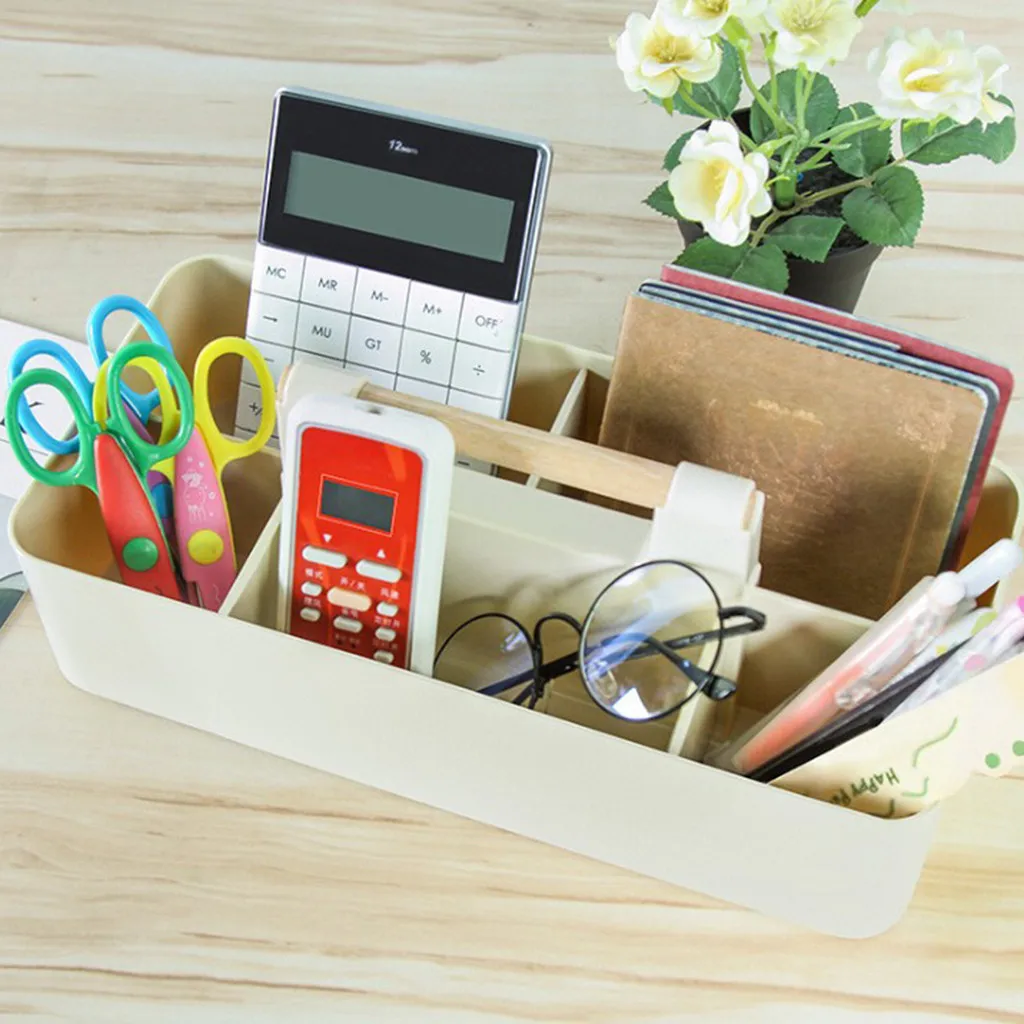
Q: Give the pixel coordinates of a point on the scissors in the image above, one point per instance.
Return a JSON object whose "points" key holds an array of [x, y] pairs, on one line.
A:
{"points": [[205, 542], [113, 460], [139, 407]]}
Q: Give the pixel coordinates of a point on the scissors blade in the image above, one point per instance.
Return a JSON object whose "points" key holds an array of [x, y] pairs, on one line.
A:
{"points": [[136, 538], [205, 546]]}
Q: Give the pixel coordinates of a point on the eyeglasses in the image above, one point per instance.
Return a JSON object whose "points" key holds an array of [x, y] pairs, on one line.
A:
{"points": [[638, 650]]}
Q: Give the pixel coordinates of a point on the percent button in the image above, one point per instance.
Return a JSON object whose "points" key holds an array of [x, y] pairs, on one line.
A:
{"points": [[426, 357]]}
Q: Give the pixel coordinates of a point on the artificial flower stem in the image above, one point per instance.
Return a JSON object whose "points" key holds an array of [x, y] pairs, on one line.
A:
{"points": [[864, 7], [840, 132], [785, 191], [703, 111], [769, 222], [780, 125], [769, 59]]}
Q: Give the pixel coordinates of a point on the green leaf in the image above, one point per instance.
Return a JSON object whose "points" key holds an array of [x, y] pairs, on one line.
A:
{"points": [[822, 107], [661, 201], [672, 156], [809, 237], [720, 95], [943, 141], [866, 152], [763, 267], [888, 212]]}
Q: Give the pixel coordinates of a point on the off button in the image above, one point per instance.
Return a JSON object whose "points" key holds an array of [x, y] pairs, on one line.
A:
{"points": [[489, 323]]}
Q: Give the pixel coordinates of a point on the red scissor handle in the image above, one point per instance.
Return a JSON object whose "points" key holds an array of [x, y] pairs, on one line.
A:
{"points": [[140, 548]]}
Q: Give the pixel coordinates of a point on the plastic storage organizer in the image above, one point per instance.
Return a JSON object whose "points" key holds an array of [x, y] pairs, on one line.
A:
{"points": [[571, 776]]}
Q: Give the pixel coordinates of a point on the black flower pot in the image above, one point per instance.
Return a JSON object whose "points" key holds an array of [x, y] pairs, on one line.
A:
{"points": [[837, 283]]}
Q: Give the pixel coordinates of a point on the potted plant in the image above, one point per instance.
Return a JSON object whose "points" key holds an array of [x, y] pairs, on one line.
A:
{"points": [[797, 192]]}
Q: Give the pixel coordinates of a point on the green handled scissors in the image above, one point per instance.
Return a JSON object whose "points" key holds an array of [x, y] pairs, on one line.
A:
{"points": [[113, 460]]}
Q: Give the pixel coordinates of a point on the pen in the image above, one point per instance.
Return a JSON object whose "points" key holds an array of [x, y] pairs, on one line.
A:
{"points": [[869, 715], [876, 659], [981, 652]]}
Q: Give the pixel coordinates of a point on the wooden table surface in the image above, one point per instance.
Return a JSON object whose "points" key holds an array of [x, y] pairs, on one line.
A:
{"points": [[151, 873]]}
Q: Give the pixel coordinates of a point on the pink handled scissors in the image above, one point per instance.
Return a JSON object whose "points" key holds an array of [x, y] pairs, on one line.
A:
{"points": [[206, 548]]}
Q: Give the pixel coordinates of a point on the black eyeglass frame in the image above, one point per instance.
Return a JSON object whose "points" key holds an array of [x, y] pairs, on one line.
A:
{"points": [[536, 679]]}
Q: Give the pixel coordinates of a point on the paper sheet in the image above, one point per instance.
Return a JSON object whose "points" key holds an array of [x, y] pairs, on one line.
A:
{"points": [[52, 412]]}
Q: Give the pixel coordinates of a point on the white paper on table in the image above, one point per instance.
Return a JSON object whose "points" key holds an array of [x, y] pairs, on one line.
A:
{"points": [[50, 409]]}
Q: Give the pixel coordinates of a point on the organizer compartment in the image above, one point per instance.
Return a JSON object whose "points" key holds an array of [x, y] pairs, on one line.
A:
{"points": [[537, 774]]}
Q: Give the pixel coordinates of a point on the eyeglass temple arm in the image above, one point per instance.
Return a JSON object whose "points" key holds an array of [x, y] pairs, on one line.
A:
{"points": [[755, 623]]}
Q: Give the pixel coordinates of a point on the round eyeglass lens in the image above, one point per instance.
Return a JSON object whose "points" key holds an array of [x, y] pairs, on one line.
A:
{"points": [[492, 653], [636, 655]]}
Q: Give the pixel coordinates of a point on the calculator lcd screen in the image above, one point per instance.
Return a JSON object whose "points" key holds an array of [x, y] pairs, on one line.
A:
{"points": [[358, 506], [398, 206], [405, 195]]}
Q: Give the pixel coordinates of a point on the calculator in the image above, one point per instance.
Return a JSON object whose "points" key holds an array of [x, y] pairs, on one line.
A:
{"points": [[396, 245]]}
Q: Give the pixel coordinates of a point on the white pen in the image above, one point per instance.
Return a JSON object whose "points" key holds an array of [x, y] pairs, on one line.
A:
{"points": [[979, 653]]}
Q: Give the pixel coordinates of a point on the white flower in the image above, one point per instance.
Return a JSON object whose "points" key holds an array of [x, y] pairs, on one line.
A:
{"points": [[707, 17], [812, 32], [654, 60], [922, 77], [993, 67], [718, 186]]}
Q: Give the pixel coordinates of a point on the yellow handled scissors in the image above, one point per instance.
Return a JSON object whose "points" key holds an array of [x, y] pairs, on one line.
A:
{"points": [[206, 548]]}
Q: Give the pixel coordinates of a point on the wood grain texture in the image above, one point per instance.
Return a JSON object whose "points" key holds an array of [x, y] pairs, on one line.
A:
{"points": [[151, 873]]}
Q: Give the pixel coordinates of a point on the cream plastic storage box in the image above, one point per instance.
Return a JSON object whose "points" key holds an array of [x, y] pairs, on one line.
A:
{"points": [[560, 777]]}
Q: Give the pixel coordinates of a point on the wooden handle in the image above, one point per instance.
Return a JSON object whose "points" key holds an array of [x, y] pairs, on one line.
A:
{"points": [[563, 460]]}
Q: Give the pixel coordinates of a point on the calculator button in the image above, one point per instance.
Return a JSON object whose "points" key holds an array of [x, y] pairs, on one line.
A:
{"points": [[348, 625], [433, 309], [277, 272], [275, 356], [389, 611], [481, 371], [312, 589], [321, 556], [421, 389], [310, 614], [328, 284], [475, 403], [426, 356], [315, 359], [322, 331], [381, 296], [378, 377], [377, 571], [490, 323], [385, 634], [348, 599], [374, 344], [385, 656], [271, 319], [250, 408]]}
